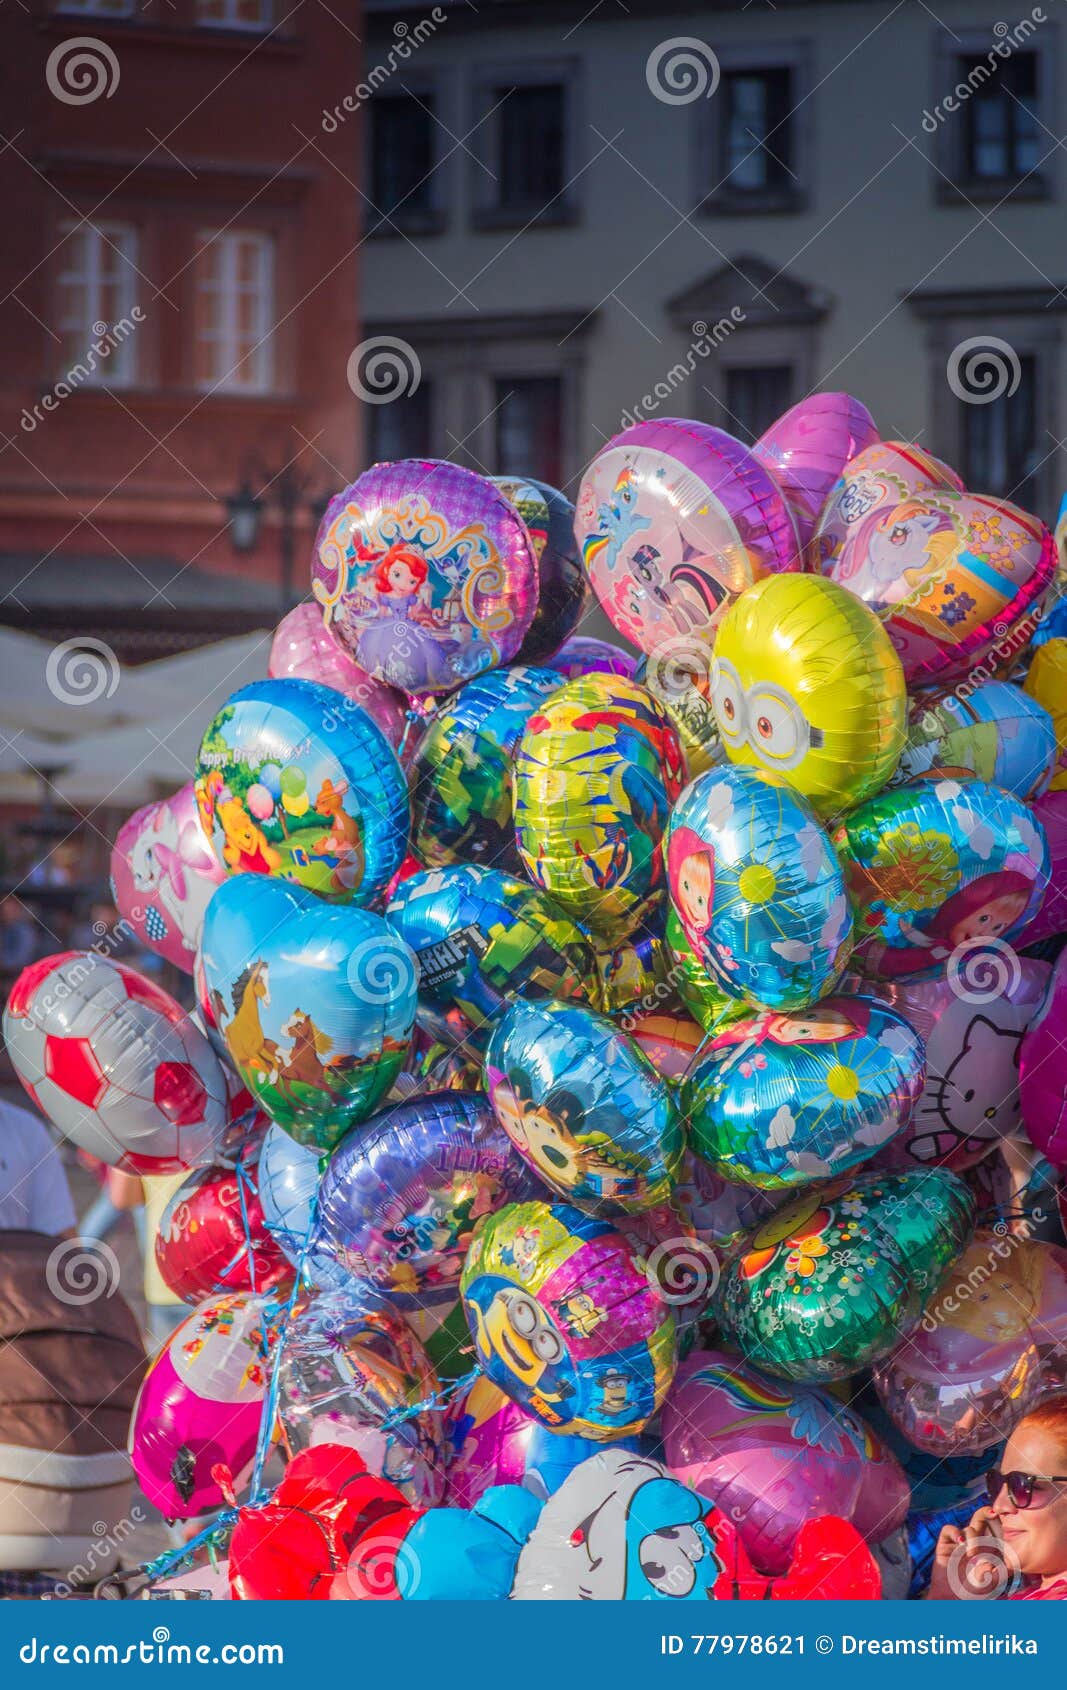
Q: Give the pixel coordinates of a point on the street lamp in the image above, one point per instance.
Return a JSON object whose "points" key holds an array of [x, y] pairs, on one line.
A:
{"points": [[287, 489], [246, 509]]}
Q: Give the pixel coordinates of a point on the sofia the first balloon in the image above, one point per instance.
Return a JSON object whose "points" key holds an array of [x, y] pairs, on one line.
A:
{"points": [[995, 733], [426, 573], [883, 475], [549, 519], [163, 871], [757, 888], [807, 449], [566, 1320], [674, 518], [583, 1107], [937, 870], [304, 649], [784, 1099]]}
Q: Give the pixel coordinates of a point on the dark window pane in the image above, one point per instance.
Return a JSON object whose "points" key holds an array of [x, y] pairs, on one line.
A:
{"points": [[402, 428], [756, 136], [529, 427], [1001, 131], [402, 153], [530, 127], [1000, 450], [755, 397]]}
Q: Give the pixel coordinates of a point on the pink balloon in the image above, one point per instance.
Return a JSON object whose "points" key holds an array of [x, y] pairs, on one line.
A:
{"points": [[1051, 918], [303, 648], [775, 1455], [877, 478], [809, 446], [259, 801], [1043, 1072], [163, 871], [490, 1436]]}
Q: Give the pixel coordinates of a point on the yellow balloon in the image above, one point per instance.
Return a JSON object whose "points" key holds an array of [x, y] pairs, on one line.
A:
{"points": [[1047, 684], [806, 683]]}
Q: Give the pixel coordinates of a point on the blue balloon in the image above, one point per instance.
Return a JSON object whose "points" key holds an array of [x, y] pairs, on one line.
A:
{"points": [[460, 1554], [400, 1199], [551, 1457], [288, 1176]]}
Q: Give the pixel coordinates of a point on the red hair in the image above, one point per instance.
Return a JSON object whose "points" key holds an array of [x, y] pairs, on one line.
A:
{"points": [[399, 553], [1007, 883], [1050, 1416]]}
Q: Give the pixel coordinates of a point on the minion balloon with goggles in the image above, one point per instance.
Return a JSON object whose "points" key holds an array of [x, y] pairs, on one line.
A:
{"points": [[805, 683]]}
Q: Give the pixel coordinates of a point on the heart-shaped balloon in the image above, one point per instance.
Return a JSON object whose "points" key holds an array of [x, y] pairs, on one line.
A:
{"points": [[163, 871], [809, 446], [881, 475], [316, 1003]]}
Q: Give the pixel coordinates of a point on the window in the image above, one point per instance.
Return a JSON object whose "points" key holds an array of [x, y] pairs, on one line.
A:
{"points": [[97, 8], [1001, 140], [1000, 441], [402, 428], [526, 143], [96, 295], [529, 427], [530, 125], [755, 107], [755, 395], [235, 311], [235, 14], [402, 157]]}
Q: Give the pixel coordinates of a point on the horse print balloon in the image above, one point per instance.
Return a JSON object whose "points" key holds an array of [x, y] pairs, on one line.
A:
{"points": [[163, 871], [426, 574]]}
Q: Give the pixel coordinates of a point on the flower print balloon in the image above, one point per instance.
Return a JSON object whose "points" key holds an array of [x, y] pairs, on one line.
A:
{"points": [[884, 474], [757, 888]]}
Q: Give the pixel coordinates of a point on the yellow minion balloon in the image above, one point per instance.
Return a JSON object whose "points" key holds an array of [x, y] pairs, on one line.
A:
{"points": [[805, 682], [1046, 682]]}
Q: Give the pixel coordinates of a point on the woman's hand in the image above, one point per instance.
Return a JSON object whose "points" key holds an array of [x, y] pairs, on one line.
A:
{"points": [[969, 1564]]}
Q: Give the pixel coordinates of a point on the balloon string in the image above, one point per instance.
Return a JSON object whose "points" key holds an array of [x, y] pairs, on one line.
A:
{"points": [[257, 1494], [439, 1399]]}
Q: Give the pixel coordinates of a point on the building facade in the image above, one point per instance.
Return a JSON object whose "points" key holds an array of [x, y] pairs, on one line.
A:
{"points": [[589, 213]]}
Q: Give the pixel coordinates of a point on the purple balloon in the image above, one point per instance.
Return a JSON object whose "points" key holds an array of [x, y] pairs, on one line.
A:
{"points": [[1043, 1071], [584, 655], [1051, 918]]}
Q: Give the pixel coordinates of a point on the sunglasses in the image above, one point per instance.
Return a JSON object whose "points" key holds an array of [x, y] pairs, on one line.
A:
{"points": [[1025, 1490]]}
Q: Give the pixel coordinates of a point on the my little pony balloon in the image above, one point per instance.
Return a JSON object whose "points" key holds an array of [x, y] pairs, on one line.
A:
{"points": [[972, 1022], [584, 655], [213, 1237], [805, 683], [884, 474], [776, 1455], [400, 1199], [1043, 1072], [997, 734], [937, 871], [480, 938], [583, 1107], [426, 574], [316, 1003], [163, 871], [757, 888], [990, 1345], [462, 769], [807, 449], [303, 649], [549, 519], [596, 773], [674, 518], [830, 1282], [947, 573], [292, 784], [567, 1322], [784, 1099]]}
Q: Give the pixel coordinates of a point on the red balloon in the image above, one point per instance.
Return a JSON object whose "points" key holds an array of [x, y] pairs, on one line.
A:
{"points": [[208, 1241]]}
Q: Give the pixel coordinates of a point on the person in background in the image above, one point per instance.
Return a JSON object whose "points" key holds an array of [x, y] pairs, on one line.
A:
{"points": [[34, 1194], [18, 936], [1015, 1547]]}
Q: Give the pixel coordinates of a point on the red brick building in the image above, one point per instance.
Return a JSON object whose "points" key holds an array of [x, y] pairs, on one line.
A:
{"points": [[179, 294]]}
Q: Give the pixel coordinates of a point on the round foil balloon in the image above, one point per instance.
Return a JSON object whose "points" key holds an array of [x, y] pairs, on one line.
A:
{"points": [[805, 683], [938, 870], [201, 1403], [596, 773], [1046, 684], [213, 1237], [782, 1100], [480, 939], [775, 1455], [830, 1282], [634, 970], [679, 675], [288, 1175], [549, 519], [584, 655], [991, 1344], [350, 1369], [426, 574], [807, 449], [972, 1023], [583, 1107], [316, 1003], [303, 649], [490, 1437], [292, 786], [947, 574], [1043, 1071], [567, 1322], [163, 871], [400, 1199], [461, 772], [669, 1041], [883, 475], [757, 888], [695, 985], [997, 734], [116, 1064], [674, 518], [716, 1210]]}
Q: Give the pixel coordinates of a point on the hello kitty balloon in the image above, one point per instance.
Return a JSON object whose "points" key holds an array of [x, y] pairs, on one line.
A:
{"points": [[163, 871]]}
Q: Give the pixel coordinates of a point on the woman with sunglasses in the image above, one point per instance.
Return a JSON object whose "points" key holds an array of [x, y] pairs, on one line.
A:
{"points": [[1015, 1546]]}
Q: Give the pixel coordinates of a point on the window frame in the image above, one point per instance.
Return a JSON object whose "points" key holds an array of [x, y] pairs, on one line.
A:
{"points": [[125, 238], [266, 382], [237, 25], [433, 220], [713, 195], [566, 208], [952, 185], [95, 9]]}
